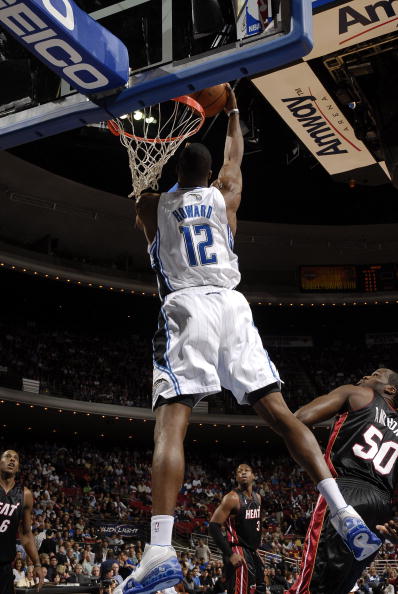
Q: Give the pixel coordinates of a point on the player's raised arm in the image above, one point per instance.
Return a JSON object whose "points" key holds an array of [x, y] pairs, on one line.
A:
{"points": [[229, 180], [324, 407], [146, 219]]}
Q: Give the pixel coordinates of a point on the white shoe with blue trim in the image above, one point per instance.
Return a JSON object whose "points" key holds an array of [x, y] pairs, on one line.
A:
{"points": [[361, 541], [159, 569]]}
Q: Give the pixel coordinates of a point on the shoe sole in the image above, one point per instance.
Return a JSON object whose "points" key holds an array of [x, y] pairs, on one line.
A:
{"points": [[371, 547], [159, 582]]}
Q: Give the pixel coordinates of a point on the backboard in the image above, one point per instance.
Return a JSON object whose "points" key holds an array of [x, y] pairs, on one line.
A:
{"points": [[175, 47]]}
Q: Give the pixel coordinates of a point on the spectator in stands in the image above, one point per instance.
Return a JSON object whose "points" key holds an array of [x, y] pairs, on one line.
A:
{"points": [[48, 545], [202, 551], [19, 570], [28, 580], [188, 581], [78, 577], [96, 572], [116, 575], [373, 579], [220, 587], [52, 569], [46, 580], [86, 563], [206, 581]]}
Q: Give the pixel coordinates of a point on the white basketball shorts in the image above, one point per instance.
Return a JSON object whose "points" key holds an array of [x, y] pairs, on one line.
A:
{"points": [[206, 339]]}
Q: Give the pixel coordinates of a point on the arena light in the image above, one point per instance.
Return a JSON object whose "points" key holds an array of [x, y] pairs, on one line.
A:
{"points": [[138, 115]]}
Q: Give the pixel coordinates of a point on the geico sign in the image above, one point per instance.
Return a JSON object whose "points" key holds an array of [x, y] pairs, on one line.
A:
{"points": [[30, 28]]}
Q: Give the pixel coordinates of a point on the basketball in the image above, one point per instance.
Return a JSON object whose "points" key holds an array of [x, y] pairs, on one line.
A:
{"points": [[212, 99]]}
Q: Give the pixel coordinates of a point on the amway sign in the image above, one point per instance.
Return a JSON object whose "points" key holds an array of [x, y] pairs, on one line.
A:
{"points": [[68, 41], [306, 106], [341, 25]]}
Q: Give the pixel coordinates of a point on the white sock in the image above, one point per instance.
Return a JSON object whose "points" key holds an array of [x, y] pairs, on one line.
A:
{"points": [[331, 492], [161, 530]]}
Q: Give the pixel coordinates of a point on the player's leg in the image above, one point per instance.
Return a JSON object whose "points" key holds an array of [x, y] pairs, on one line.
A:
{"points": [[305, 450], [159, 567], [327, 566], [319, 555], [168, 463], [185, 348], [299, 440], [254, 378], [259, 571], [6, 579], [238, 581]]}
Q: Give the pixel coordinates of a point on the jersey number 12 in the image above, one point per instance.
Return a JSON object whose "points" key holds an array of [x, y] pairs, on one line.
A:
{"points": [[196, 250]]}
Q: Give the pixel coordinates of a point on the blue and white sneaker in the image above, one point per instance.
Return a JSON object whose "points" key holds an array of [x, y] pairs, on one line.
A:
{"points": [[361, 541], [158, 570]]}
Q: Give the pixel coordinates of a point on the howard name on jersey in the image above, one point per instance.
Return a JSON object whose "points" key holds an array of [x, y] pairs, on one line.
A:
{"points": [[193, 245]]}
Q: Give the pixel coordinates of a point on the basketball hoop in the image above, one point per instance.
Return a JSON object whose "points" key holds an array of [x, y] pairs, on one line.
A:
{"points": [[152, 134]]}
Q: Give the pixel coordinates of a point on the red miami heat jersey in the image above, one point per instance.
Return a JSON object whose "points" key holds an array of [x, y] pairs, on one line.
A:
{"points": [[364, 445], [244, 526], [11, 508]]}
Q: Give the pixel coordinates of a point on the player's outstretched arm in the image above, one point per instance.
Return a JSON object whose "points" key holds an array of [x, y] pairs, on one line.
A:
{"points": [[324, 407], [26, 536], [229, 180]]}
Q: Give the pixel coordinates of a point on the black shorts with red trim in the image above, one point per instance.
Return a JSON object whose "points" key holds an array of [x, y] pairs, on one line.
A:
{"points": [[246, 579], [6, 579], [327, 566]]}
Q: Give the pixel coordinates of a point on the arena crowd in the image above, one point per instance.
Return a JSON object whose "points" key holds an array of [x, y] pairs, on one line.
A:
{"points": [[80, 490], [79, 363]]}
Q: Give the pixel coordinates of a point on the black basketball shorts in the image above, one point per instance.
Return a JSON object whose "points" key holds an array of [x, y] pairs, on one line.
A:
{"points": [[6, 579], [327, 566], [246, 579]]}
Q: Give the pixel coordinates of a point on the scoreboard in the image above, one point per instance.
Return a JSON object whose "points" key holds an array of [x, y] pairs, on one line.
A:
{"points": [[349, 279]]}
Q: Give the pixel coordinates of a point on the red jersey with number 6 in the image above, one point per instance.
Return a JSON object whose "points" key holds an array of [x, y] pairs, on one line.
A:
{"points": [[364, 445]]}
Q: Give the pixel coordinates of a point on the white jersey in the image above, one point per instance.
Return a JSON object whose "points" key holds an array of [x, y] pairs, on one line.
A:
{"points": [[193, 245]]}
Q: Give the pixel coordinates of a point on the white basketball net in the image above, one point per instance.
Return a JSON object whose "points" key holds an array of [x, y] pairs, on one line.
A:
{"points": [[151, 136]]}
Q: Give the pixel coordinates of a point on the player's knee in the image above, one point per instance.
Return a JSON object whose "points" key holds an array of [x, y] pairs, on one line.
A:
{"points": [[171, 423]]}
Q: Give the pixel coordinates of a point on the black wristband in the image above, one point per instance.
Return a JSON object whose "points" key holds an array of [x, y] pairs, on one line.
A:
{"points": [[216, 533]]}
